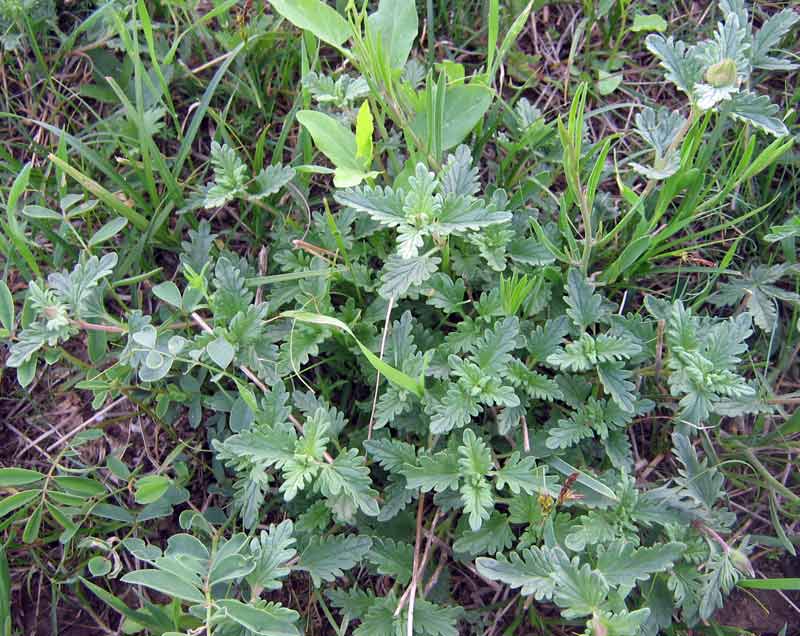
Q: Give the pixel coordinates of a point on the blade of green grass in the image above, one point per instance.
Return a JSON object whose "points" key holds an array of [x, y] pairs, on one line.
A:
{"points": [[200, 112], [134, 218]]}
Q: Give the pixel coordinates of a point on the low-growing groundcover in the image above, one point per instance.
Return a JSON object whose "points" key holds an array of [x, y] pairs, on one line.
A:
{"points": [[373, 341]]}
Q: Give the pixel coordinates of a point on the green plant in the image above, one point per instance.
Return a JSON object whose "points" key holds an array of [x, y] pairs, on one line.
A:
{"points": [[428, 371], [716, 74], [575, 371]]}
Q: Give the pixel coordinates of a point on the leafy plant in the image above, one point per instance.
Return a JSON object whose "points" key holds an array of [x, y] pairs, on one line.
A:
{"points": [[716, 73], [428, 354]]}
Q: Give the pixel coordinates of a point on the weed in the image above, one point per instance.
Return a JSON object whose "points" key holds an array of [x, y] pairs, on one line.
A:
{"points": [[428, 359]]}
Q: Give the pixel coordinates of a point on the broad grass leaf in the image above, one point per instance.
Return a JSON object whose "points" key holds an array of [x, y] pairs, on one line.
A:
{"points": [[397, 23], [315, 16]]}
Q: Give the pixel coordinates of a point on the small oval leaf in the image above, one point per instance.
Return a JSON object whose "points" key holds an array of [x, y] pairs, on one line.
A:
{"points": [[151, 488], [108, 231]]}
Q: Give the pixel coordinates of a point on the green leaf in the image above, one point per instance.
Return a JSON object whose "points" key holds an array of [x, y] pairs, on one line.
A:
{"points": [[38, 212], [478, 501], [494, 536], [34, 523], [622, 623], [23, 352], [759, 111], [364, 131], [648, 22], [615, 381], [17, 500], [396, 22], [230, 176], [99, 566], [272, 551], [267, 446], [494, 347], [326, 558], [465, 105], [221, 352], [476, 458], [568, 432], [18, 477], [81, 486], [719, 577], [521, 475], [228, 563], [392, 558], [607, 82], [530, 570], [768, 37], [169, 293], [271, 179], [391, 453], [584, 479], [659, 128], [332, 139], [400, 274], [6, 307], [313, 15], [682, 68], [151, 488], [5, 595], [445, 293], [138, 618], [64, 519], [623, 564], [592, 528], [76, 287], [394, 376], [580, 591], [12, 227], [263, 619], [166, 583], [702, 482], [433, 620], [456, 409], [349, 476], [536, 385], [108, 231], [585, 307], [384, 205], [435, 472], [770, 584]]}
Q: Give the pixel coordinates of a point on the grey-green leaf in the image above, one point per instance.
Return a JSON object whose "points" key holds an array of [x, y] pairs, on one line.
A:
{"points": [[263, 619], [6, 307], [530, 570], [585, 307], [623, 564], [108, 231], [759, 111], [326, 558], [221, 352], [169, 293], [400, 274], [165, 583]]}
